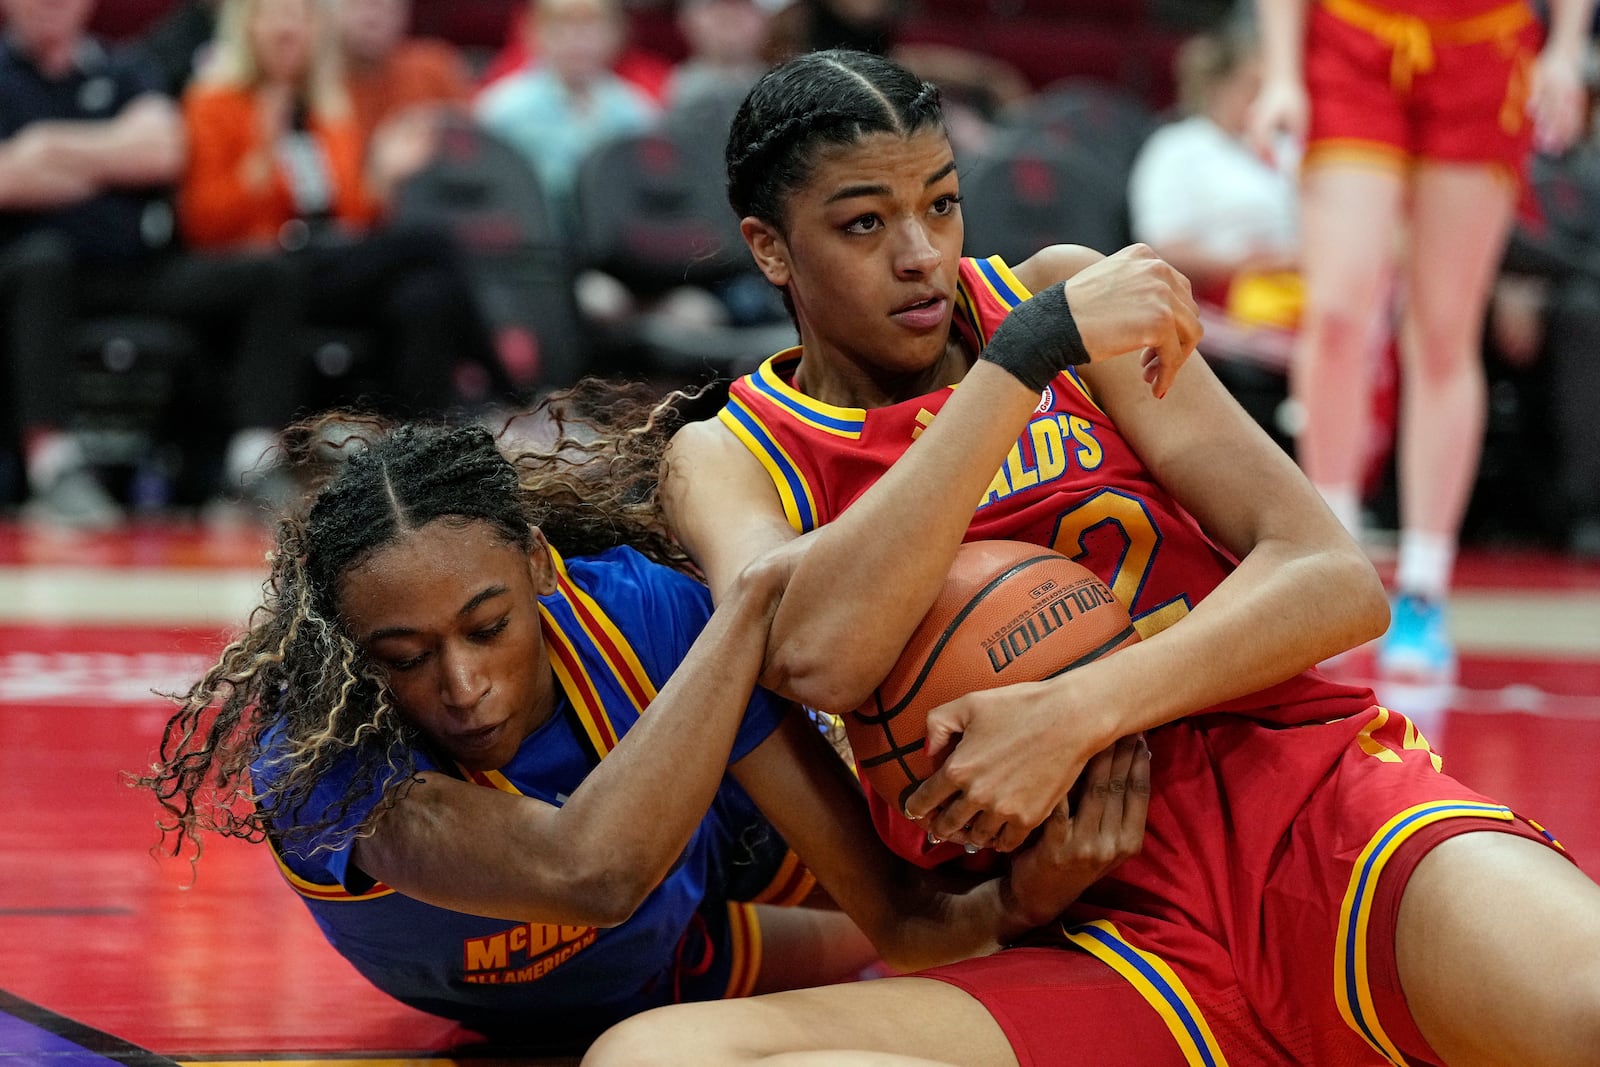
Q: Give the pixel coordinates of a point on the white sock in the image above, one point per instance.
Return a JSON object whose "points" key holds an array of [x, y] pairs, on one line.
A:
{"points": [[51, 453], [251, 451], [1345, 503], [1426, 562]]}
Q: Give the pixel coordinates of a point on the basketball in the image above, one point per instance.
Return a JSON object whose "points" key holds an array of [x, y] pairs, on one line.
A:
{"points": [[1008, 612]]}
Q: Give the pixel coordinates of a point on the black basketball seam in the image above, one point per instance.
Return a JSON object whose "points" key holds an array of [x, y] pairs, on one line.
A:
{"points": [[1095, 653], [949, 630]]}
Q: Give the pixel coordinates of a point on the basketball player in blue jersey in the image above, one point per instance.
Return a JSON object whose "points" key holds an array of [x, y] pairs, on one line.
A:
{"points": [[494, 771]]}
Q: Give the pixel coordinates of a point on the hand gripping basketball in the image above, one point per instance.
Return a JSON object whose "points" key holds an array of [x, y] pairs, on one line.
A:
{"points": [[1008, 612]]}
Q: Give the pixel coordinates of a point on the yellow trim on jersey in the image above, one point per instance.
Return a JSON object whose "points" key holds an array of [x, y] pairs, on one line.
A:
{"points": [[1003, 283], [744, 950], [793, 490], [791, 884], [838, 421], [588, 702], [629, 667], [333, 893], [1351, 981], [1158, 984]]}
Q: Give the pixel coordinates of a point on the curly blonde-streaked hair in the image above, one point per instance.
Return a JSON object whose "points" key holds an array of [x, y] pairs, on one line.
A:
{"points": [[294, 690]]}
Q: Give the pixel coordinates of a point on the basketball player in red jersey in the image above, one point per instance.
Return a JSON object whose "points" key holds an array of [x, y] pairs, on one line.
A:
{"points": [[1312, 888], [1416, 118]]}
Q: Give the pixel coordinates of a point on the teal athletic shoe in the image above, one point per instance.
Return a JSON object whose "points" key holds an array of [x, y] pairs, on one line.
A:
{"points": [[1417, 646]]}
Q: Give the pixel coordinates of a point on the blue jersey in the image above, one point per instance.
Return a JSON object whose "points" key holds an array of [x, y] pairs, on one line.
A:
{"points": [[615, 629]]}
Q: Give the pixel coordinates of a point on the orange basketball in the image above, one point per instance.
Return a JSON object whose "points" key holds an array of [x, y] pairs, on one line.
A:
{"points": [[1009, 612]]}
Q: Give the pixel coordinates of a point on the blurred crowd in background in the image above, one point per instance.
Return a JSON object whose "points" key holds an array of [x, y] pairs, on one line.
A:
{"points": [[216, 214]]}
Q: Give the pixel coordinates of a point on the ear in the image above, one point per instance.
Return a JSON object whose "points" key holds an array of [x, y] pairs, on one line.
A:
{"points": [[541, 565], [768, 247]]}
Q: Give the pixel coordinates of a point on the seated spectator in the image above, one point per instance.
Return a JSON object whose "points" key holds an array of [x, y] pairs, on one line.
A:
{"points": [[276, 162], [1213, 208], [728, 43], [398, 86], [88, 150], [555, 111], [635, 64]]}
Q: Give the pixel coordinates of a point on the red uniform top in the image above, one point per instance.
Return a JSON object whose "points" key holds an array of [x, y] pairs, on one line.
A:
{"points": [[1072, 483]]}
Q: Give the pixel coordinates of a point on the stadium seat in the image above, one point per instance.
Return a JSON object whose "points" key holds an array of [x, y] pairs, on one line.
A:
{"points": [[484, 193], [1028, 193]]}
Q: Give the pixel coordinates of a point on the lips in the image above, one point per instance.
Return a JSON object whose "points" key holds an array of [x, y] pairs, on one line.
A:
{"points": [[924, 313], [473, 740]]}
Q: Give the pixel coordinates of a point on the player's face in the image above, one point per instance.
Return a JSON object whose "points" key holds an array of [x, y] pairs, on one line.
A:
{"points": [[871, 253], [450, 614]]}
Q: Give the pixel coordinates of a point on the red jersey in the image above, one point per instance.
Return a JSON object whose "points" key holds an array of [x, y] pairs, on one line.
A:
{"points": [[1072, 483]]}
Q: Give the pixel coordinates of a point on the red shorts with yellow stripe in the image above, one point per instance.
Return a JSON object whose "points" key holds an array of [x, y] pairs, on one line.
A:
{"points": [[1257, 924], [1390, 88]]}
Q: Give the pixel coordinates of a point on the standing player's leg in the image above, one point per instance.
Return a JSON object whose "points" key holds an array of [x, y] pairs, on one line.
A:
{"points": [[900, 1021], [1460, 217], [1498, 949], [1349, 215]]}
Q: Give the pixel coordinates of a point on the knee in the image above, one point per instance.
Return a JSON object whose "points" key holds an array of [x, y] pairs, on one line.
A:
{"points": [[1338, 332], [650, 1040]]}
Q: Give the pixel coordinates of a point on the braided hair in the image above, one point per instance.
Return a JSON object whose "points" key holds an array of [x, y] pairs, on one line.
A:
{"points": [[828, 98], [294, 690]]}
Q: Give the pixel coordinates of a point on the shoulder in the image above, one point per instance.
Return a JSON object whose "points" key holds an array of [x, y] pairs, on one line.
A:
{"points": [[1052, 264], [507, 95], [655, 606], [628, 96], [702, 439]]}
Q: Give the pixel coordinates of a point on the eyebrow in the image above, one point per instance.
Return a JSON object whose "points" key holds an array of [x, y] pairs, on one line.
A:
{"points": [[466, 609], [852, 191]]}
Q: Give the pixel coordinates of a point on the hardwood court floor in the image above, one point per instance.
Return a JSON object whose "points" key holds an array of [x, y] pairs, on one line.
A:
{"points": [[109, 954]]}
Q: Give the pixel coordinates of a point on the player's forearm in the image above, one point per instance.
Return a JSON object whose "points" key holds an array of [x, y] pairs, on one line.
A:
{"points": [[1283, 610], [869, 576], [1282, 27], [670, 764]]}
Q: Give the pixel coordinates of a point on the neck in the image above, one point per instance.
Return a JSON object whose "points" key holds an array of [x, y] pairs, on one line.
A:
{"points": [[847, 383]]}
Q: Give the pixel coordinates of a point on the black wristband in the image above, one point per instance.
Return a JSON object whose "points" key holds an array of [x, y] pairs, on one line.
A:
{"points": [[1038, 339]]}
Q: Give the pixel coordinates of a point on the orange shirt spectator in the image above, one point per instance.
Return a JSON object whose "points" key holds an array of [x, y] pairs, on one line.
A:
{"points": [[239, 189]]}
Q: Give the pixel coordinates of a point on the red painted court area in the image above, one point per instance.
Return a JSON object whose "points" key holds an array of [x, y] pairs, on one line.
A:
{"points": [[109, 953]]}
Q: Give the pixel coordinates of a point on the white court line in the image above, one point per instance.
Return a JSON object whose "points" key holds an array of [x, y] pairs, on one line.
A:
{"points": [[100, 595]]}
